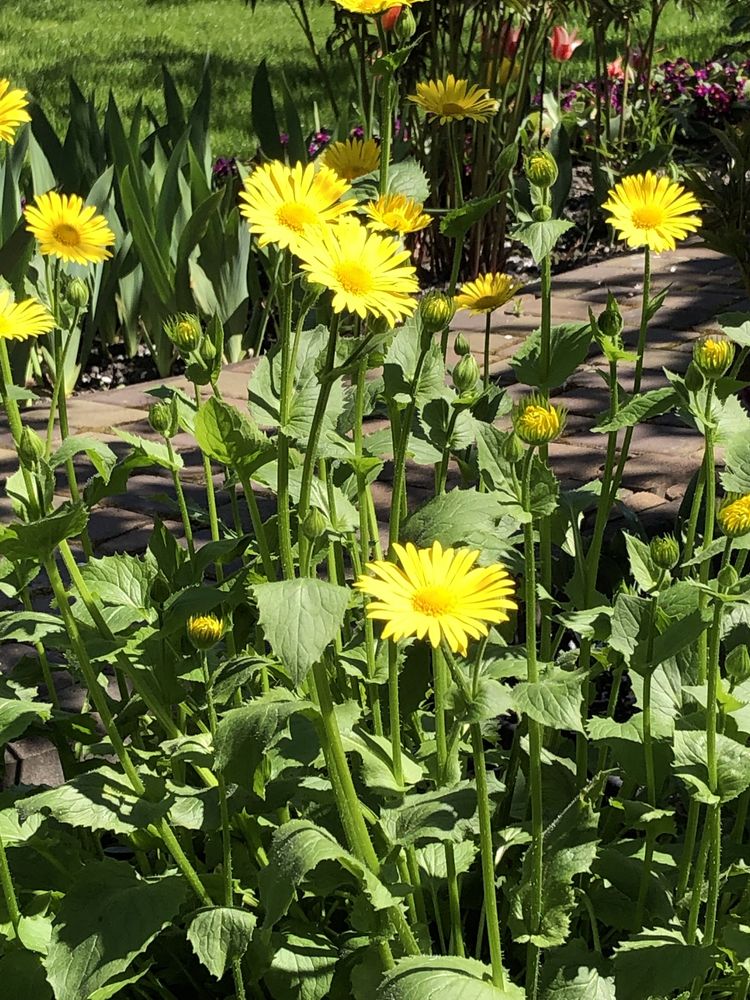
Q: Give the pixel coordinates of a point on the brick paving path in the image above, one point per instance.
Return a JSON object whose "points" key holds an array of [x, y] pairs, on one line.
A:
{"points": [[664, 453]]}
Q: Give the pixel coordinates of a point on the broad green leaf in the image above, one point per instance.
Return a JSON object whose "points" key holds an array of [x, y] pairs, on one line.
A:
{"points": [[37, 540], [108, 917], [569, 346], [443, 977], [22, 975], [151, 452], [642, 566], [303, 965], [298, 847], [229, 436], [18, 713], [736, 475], [491, 699], [220, 935], [401, 367], [456, 223], [122, 580], [643, 407], [736, 326], [408, 178], [554, 701], [658, 961], [629, 623], [300, 618], [377, 771], [98, 452], [118, 983], [444, 814], [691, 765], [458, 517], [540, 237], [580, 984], [569, 849]]}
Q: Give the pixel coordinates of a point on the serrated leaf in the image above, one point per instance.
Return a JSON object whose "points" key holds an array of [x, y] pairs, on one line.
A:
{"points": [[444, 814], [17, 714], [642, 566], [554, 701], [540, 237], [642, 407], [691, 765], [443, 977], [303, 966], [736, 475], [569, 346], [98, 452], [230, 437], [456, 223], [220, 935], [151, 452], [657, 961], [300, 618], [37, 540], [408, 178], [123, 580], [736, 326]]}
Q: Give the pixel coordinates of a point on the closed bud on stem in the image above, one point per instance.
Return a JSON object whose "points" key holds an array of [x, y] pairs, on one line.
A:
{"points": [[665, 551], [737, 664], [30, 448], [204, 631], [466, 374], [314, 525], [727, 577], [541, 213], [406, 26], [733, 515], [77, 293], [610, 320], [461, 345], [185, 332], [541, 169], [436, 310], [694, 380], [161, 417], [536, 421], [208, 351], [713, 355], [513, 448]]}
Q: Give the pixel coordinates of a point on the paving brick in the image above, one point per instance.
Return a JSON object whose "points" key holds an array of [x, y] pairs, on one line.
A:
{"points": [[86, 413]]}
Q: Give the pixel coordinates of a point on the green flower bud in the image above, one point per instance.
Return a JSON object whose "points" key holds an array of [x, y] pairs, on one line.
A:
{"points": [[542, 213], [208, 351], [315, 524], [610, 320], [406, 26], [727, 577], [537, 421], [461, 345], [466, 374], [694, 380], [161, 417], [713, 355], [77, 293], [436, 310], [185, 332], [541, 169], [30, 448], [513, 448], [737, 664], [204, 631], [665, 551]]}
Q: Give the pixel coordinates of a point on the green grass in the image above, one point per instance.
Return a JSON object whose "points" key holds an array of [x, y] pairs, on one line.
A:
{"points": [[121, 44]]}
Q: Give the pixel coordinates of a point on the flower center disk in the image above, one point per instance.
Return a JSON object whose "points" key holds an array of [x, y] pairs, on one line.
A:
{"points": [[295, 215], [648, 217], [67, 235], [354, 278], [433, 601]]}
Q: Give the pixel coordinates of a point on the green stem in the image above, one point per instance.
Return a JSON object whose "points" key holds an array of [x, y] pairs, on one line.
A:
{"points": [[15, 424], [487, 852], [399, 453], [688, 848], [181, 499], [458, 246], [648, 753], [695, 507], [487, 334], [442, 469], [288, 362], [258, 527], [9, 892], [709, 476]]}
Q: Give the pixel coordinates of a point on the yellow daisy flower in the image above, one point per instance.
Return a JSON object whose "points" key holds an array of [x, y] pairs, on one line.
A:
{"points": [[454, 100], [371, 6], [281, 203], [13, 111], [352, 158], [19, 320], [537, 421], [648, 210], [488, 292], [396, 213], [68, 229], [734, 515], [437, 593], [367, 273]]}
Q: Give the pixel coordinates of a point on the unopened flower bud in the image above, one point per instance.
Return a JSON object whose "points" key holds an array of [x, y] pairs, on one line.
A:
{"points": [[30, 448], [185, 332], [541, 169], [208, 351], [609, 320], [513, 448], [541, 213], [204, 631], [436, 310], [537, 421], [694, 380], [405, 26], [161, 417], [737, 664], [461, 345], [466, 374], [734, 515], [727, 577], [314, 525], [77, 293], [713, 355], [665, 551]]}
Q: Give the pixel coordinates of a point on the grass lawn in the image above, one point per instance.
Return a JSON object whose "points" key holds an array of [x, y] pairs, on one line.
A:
{"points": [[121, 44]]}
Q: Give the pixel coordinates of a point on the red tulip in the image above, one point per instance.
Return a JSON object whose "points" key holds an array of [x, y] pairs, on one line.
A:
{"points": [[508, 39], [615, 70], [563, 43], [389, 18]]}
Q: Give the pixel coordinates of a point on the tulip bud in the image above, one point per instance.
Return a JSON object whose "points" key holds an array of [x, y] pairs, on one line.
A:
{"points": [[77, 293], [541, 169], [713, 355], [30, 448], [461, 345], [466, 374], [185, 332], [536, 421], [204, 631], [161, 417], [315, 524], [437, 310], [665, 551], [734, 515], [541, 213]]}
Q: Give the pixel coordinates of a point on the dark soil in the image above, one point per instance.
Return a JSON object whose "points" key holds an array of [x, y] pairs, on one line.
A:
{"points": [[111, 368]]}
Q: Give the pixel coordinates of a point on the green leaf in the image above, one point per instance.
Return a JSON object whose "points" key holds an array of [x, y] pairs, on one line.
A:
{"points": [[408, 178], [491, 698], [456, 223], [122, 580], [303, 966], [553, 701], [442, 977], [108, 917], [298, 847], [569, 849], [736, 326], [458, 517], [658, 961], [540, 237], [228, 436], [37, 540], [642, 566], [22, 976], [569, 347], [444, 814], [98, 452], [153, 452], [378, 771], [736, 475], [401, 365], [300, 618], [220, 935], [28, 626], [691, 764], [642, 407], [581, 983], [263, 113], [17, 714]]}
